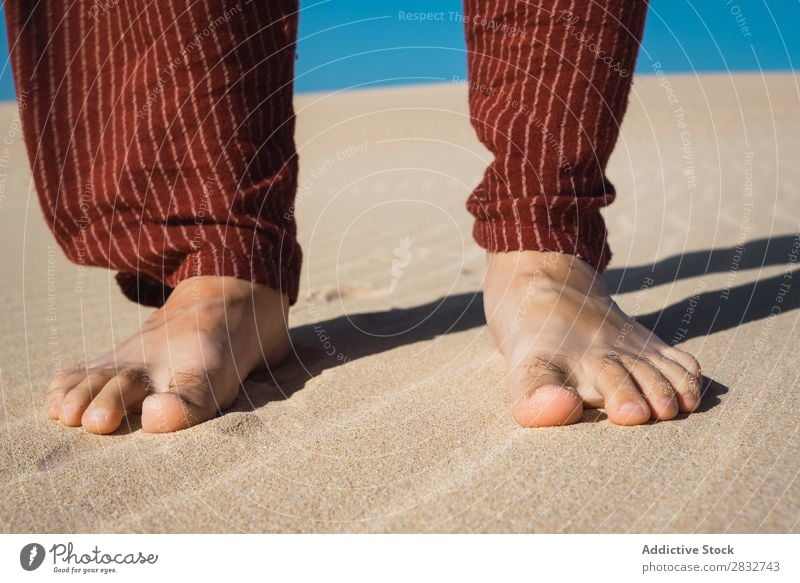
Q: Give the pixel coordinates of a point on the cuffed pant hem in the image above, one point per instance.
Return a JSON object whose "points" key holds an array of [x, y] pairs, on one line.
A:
{"points": [[281, 273]]}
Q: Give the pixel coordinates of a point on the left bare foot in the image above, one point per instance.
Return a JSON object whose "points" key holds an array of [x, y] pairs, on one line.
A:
{"points": [[185, 365], [569, 346]]}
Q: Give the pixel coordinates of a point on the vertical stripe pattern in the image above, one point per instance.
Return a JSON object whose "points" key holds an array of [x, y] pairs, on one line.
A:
{"points": [[161, 132], [548, 86], [161, 136]]}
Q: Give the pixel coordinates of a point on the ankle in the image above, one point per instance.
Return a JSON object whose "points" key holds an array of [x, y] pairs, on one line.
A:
{"points": [[543, 269], [528, 263], [228, 289]]}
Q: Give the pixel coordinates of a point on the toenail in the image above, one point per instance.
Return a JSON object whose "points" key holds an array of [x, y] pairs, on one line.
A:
{"points": [[96, 416], [631, 409], [669, 402]]}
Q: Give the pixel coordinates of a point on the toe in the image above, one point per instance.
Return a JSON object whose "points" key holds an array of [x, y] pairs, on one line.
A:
{"points": [[166, 412], [685, 359], [61, 384], [654, 386], [55, 398], [187, 400], [687, 385], [116, 399], [624, 403], [76, 401], [542, 395]]}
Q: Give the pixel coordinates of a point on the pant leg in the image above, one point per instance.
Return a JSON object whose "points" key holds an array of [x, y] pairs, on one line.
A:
{"points": [[160, 135], [548, 86]]}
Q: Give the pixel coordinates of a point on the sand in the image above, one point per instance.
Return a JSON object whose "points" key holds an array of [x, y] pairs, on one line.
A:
{"points": [[394, 414]]}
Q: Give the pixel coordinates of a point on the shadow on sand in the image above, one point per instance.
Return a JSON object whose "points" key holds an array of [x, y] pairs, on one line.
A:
{"points": [[712, 311]]}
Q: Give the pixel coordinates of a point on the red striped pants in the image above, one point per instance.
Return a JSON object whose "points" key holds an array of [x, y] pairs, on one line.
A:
{"points": [[160, 132]]}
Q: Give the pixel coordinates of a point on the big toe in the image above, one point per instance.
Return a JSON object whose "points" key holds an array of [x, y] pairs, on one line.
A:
{"points": [[548, 406], [542, 395], [166, 412], [188, 399]]}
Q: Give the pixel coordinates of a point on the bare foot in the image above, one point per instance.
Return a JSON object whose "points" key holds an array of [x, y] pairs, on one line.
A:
{"points": [[186, 363], [569, 346]]}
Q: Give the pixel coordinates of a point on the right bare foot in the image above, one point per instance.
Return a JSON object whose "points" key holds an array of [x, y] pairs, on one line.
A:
{"points": [[185, 365], [569, 346]]}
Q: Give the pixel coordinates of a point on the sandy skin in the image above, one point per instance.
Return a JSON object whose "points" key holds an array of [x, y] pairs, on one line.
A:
{"points": [[569, 346], [566, 343], [185, 365]]}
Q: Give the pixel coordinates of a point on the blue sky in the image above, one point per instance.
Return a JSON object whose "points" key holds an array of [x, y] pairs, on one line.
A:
{"points": [[357, 43]]}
